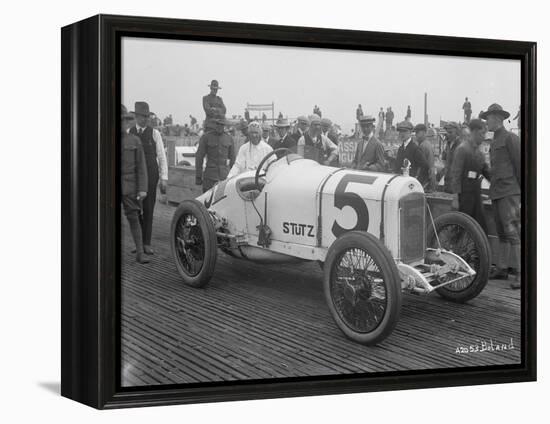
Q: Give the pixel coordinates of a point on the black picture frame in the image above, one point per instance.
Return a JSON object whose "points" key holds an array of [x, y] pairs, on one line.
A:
{"points": [[90, 97]]}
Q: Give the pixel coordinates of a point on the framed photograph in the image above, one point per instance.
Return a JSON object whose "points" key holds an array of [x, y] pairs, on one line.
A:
{"points": [[254, 211]]}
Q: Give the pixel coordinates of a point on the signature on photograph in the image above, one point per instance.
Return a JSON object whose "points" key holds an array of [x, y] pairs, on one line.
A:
{"points": [[485, 346]]}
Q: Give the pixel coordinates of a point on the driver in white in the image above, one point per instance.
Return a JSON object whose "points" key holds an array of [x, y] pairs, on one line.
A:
{"points": [[251, 153]]}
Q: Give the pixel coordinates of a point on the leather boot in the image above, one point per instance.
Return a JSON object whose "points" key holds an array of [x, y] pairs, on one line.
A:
{"points": [[135, 229]]}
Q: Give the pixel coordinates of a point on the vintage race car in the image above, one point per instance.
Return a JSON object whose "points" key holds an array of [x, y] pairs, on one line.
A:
{"points": [[371, 232]]}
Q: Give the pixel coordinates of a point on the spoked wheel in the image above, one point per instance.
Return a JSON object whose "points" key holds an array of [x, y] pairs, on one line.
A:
{"points": [[193, 243], [362, 287], [461, 234]]}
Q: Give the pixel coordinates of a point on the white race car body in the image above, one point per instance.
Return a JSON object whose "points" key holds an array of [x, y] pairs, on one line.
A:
{"points": [[307, 206]]}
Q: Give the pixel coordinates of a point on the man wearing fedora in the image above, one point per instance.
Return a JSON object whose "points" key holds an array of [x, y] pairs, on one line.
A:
{"points": [[219, 150], [157, 167], [505, 192], [369, 154], [285, 138], [419, 167], [213, 106], [134, 181]]}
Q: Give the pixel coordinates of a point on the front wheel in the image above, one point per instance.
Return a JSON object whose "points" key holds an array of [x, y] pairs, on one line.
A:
{"points": [[461, 234], [362, 287], [193, 243]]}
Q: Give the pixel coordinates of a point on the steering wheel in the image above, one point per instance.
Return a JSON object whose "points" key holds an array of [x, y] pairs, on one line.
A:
{"points": [[258, 174]]}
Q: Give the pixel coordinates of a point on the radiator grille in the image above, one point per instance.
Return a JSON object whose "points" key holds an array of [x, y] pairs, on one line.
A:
{"points": [[412, 239]]}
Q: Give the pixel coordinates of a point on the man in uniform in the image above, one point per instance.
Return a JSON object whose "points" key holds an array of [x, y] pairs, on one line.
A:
{"points": [[326, 130], [468, 169], [301, 127], [467, 107], [285, 139], [409, 150], [219, 149], [452, 129], [369, 154], [505, 192], [427, 150], [252, 152], [313, 145], [134, 181], [157, 166], [213, 106]]}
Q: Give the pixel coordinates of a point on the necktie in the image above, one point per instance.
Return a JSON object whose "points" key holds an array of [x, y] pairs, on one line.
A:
{"points": [[140, 131]]}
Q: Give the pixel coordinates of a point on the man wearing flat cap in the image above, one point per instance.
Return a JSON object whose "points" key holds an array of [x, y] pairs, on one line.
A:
{"points": [[468, 169], [505, 192], [134, 182], [157, 167], [266, 131], [427, 150], [213, 106], [315, 146], [302, 124], [327, 131], [369, 154], [409, 150], [219, 150], [452, 141], [285, 139]]}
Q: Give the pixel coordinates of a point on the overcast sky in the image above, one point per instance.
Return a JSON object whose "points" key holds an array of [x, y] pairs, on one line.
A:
{"points": [[173, 75]]}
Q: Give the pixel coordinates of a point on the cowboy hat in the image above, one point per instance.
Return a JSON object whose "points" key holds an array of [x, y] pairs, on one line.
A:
{"points": [[214, 84], [494, 109], [142, 108]]}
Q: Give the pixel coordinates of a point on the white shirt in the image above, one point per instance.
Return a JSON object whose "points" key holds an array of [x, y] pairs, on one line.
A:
{"points": [[161, 154], [406, 143], [250, 156]]}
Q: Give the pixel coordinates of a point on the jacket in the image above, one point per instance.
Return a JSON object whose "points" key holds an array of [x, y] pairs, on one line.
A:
{"points": [[467, 168], [419, 164], [219, 150], [505, 154], [370, 156]]}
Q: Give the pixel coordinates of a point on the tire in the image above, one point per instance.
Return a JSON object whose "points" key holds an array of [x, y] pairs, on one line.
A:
{"points": [[362, 317], [193, 242], [462, 235]]}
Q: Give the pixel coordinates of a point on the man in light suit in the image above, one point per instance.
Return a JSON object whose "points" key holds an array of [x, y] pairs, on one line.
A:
{"points": [[370, 152]]}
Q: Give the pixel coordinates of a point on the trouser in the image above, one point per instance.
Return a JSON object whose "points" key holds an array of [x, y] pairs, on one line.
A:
{"points": [[132, 210], [507, 213], [470, 203], [149, 206]]}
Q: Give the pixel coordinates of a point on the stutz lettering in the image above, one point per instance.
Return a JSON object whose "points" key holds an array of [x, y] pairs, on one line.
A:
{"points": [[296, 229]]}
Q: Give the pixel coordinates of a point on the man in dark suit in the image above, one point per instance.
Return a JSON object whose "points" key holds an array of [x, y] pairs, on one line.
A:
{"points": [[409, 150], [369, 154], [285, 138]]}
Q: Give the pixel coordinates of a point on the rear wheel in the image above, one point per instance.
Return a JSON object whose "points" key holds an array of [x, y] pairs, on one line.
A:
{"points": [[461, 234], [193, 243], [362, 287]]}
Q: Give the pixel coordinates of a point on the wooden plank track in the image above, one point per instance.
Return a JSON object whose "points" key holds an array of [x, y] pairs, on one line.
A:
{"points": [[262, 321]]}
